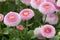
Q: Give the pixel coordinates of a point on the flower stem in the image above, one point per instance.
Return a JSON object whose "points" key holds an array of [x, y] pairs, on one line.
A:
{"points": [[26, 23], [45, 19]]}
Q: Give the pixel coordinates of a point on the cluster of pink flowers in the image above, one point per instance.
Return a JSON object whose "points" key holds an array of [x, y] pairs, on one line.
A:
{"points": [[13, 18], [46, 7], [45, 31], [36, 3]]}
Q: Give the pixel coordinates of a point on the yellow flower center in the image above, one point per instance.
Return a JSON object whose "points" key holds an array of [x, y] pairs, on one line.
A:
{"points": [[37, 0], [48, 30], [47, 6], [26, 13], [12, 17]]}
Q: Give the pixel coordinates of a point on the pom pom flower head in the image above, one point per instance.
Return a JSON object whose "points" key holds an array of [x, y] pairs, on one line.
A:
{"points": [[48, 31], [51, 18], [37, 33], [35, 3], [12, 19], [26, 14], [27, 2], [47, 8]]}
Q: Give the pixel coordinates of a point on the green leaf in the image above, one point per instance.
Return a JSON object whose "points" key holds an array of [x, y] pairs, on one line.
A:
{"points": [[30, 34], [55, 38], [15, 38], [7, 30]]}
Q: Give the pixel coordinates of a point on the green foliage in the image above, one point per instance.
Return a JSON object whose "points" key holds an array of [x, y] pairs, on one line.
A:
{"points": [[55, 38]]}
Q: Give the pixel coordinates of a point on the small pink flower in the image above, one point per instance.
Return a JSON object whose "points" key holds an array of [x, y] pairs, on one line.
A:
{"points": [[37, 33], [27, 2], [48, 31], [26, 14], [1, 17], [20, 27], [12, 19], [35, 3], [51, 18], [47, 8]]}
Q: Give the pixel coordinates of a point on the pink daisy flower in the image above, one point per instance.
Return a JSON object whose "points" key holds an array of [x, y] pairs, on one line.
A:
{"points": [[1, 17], [27, 2], [20, 27], [37, 33], [47, 8], [48, 31], [35, 3], [26, 14], [51, 18], [12, 19]]}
